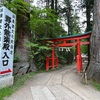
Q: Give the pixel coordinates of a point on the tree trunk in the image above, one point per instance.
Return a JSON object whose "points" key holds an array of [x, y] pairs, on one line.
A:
{"points": [[93, 71], [47, 3], [23, 35], [56, 3], [89, 8], [88, 16], [52, 4]]}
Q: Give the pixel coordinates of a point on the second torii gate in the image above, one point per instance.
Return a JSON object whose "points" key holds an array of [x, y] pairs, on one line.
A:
{"points": [[68, 41]]}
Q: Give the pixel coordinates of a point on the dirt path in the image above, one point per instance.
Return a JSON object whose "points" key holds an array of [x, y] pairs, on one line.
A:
{"points": [[64, 84]]}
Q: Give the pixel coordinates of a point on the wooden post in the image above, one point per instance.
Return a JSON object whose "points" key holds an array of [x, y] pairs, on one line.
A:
{"points": [[47, 63], [53, 57]]}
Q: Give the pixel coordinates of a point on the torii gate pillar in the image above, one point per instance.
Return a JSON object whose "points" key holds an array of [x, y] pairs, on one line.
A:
{"points": [[79, 58], [53, 57]]}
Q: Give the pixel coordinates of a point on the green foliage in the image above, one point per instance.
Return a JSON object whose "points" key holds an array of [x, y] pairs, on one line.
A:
{"points": [[44, 24], [75, 26], [16, 5], [96, 85], [38, 52], [16, 57], [71, 20], [35, 49], [20, 8], [84, 48]]}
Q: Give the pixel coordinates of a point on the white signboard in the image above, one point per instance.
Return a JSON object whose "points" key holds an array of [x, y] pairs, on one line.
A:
{"points": [[7, 31]]}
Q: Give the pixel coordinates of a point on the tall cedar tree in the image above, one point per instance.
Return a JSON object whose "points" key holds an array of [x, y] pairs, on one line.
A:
{"points": [[93, 71], [88, 4]]}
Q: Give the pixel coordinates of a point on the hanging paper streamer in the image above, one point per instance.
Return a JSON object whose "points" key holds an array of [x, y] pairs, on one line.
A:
{"points": [[62, 48]]}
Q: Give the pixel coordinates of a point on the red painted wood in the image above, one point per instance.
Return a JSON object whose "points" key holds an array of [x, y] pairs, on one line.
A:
{"points": [[53, 58], [84, 43], [79, 67], [62, 42], [67, 44], [47, 63]]}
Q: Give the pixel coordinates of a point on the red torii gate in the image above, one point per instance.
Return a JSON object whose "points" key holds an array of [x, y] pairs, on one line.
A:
{"points": [[64, 42]]}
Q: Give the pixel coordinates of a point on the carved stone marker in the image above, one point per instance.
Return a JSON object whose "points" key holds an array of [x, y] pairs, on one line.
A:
{"points": [[7, 34]]}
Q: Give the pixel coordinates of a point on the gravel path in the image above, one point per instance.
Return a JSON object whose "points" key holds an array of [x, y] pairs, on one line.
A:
{"points": [[63, 84]]}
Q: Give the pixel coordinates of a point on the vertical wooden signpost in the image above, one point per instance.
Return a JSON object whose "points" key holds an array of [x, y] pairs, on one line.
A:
{"points": [[7, 34]]}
